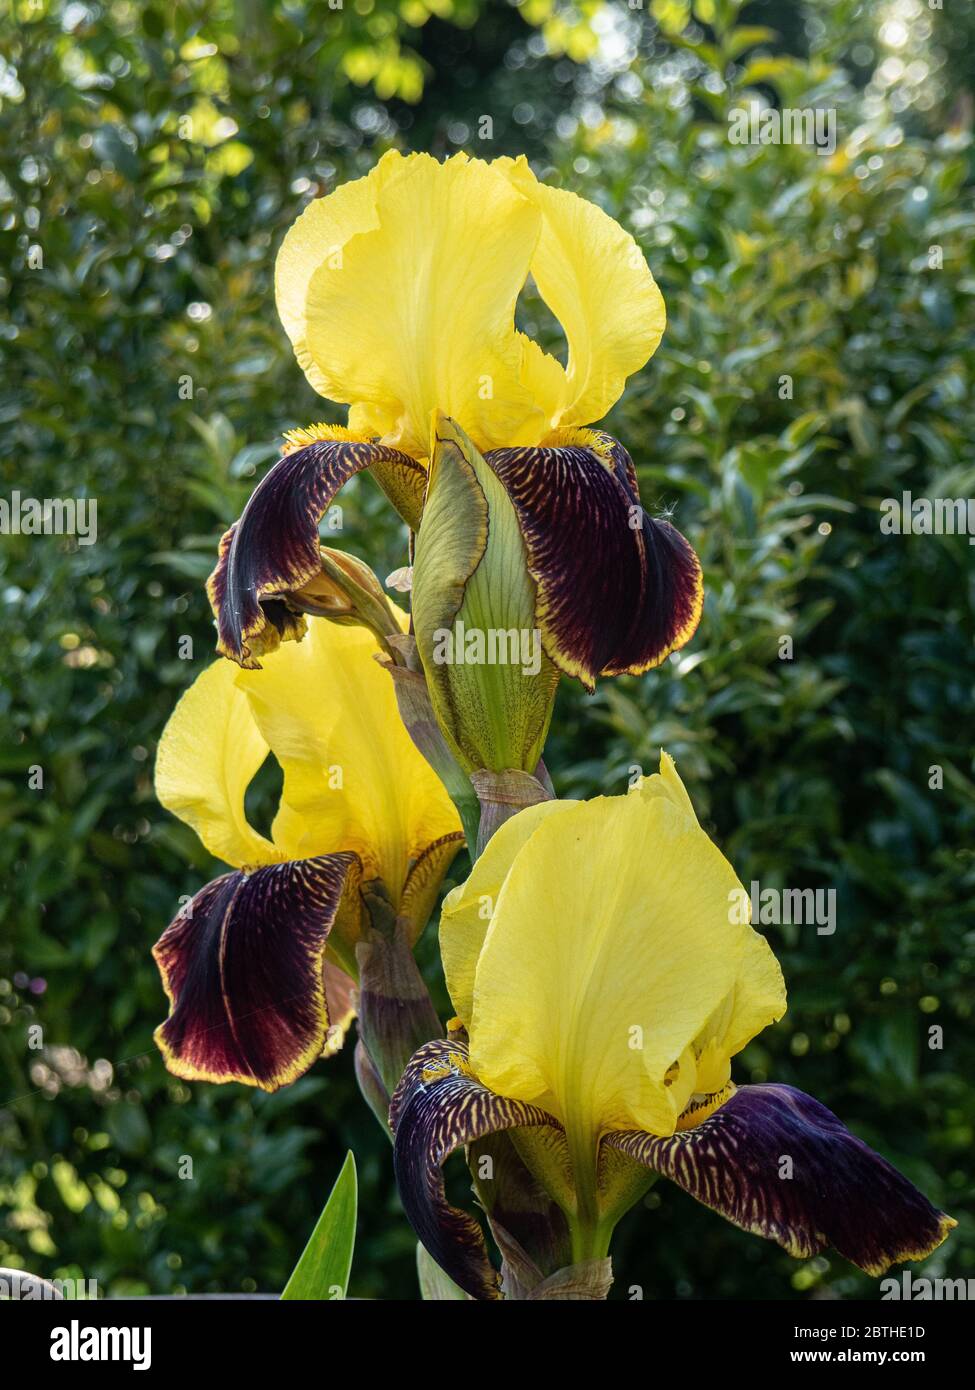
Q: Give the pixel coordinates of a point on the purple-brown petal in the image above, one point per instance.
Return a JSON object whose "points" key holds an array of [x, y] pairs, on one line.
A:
{"points": [[776, 1162], [438, 1107], [618, 590], [272, 552], [243, 967]]}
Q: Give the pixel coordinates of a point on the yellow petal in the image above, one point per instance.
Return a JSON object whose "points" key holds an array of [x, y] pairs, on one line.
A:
{"points": [[610, 948], [544, 376], [208, 753], [318, 238], [758, 995], [353, 779], [425, 878], [667, 783], [399, 295], [596, 281], [757, 999], [467, 910]]}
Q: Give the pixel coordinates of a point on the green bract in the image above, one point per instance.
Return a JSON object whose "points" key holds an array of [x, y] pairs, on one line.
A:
{"points": [[491, 684]]}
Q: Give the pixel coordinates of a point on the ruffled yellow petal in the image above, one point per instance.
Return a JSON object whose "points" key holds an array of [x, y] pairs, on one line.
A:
{"points": [[353, 779], [596, 281], [544, 377], [610, 948], [758, 996], [208, 753], [318, 238], [757, 999], [667, 783], [468, 909], [399, 297]]}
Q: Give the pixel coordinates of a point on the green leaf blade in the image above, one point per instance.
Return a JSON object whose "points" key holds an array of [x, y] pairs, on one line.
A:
{"points": [[323, 1271]]}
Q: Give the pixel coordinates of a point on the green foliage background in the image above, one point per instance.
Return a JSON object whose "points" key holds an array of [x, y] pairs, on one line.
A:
{"points": [[158, 237]]}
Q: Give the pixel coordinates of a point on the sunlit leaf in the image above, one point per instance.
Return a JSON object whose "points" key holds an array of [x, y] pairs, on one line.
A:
{"points": [[323, 1271]]}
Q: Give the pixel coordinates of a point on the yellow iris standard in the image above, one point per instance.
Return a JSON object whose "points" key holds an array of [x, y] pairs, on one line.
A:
{"points": [[398, 292]]}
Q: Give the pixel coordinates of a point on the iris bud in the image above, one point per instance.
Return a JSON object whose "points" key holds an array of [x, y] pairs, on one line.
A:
{"points": [[491, 683]]}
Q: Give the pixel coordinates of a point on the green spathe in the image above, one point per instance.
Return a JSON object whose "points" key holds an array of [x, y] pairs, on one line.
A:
{"points": [[491, 685]]}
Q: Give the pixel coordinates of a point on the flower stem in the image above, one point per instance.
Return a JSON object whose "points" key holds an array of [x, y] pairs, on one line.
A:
{"points": [[590, 1232], [396, 1013], [583, 1178], [589, 1242]]}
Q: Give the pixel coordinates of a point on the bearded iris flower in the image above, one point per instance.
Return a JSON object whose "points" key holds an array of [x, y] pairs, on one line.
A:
{"points": [[260, 966], [398, 291], [602, 987]]}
